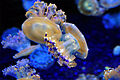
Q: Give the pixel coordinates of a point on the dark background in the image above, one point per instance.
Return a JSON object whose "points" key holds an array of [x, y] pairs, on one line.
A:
{"points": [[100, 41]]}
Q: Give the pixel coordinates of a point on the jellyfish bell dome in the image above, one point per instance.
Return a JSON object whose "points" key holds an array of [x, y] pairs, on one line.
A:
{"points": [[36, 27]]}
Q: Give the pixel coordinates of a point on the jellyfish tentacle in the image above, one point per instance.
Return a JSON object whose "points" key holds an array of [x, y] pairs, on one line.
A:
{"points": [[26, 51]]}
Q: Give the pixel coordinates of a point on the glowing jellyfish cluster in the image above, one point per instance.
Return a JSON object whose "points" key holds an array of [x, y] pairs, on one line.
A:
{"points": [[21, 71], [46, 25], [55, 38], [112, 74], [96, 7]]}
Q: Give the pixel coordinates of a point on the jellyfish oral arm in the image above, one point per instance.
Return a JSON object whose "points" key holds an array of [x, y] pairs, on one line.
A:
{"points": [[26, 51]]}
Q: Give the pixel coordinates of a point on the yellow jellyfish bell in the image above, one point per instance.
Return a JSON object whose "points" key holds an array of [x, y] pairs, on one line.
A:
{"points": [[36, 27]]}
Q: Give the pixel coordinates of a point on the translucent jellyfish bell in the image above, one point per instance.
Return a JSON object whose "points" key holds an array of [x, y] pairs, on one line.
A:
{"points": [[35, 28], [79, 37]]}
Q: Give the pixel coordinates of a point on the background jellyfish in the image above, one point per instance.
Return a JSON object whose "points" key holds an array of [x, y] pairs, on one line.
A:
{"points": [[40, 58], [28, 3], [14, 39], [95, 7], [109, 3], [111, 20], [12, 31], [112, 74], [116, 51], [21, 71], [90, 7], [87, 77]]}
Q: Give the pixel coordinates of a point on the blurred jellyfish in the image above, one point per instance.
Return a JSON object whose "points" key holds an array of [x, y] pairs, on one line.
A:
{"points": [[90, 7], [14, 39], [116, 51], [111, 20], [112, 74], [12, 31], [96, 7], [109, 3], [27, 4], [87, 77], [21, 71], [40, 58]]}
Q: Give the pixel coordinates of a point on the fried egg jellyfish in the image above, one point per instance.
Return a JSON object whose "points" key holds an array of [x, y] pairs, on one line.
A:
{"points": [[43, 26]]}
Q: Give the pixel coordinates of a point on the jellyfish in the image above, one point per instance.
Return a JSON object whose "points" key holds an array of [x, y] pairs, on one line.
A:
{"points": [[116, 50], [109, 3], [40, 58], [96, 7], [90, 7], [112, 74], [27, 4], [87, 77], [21, 71], [15, 39], [12, 31], [111, 21], [27, 51], [45, 25]]}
